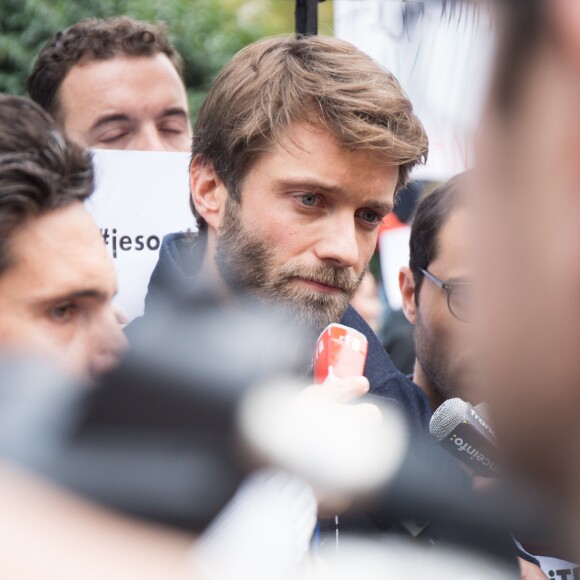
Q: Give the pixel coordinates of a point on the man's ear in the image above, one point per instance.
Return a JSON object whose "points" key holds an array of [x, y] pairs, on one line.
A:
{"points": [[208, 192], [407, 286]]}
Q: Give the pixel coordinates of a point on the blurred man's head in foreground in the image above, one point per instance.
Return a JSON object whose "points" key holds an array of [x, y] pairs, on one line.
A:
{"points": [[298, 151], [114, 83], [528, 216], [56, 277], [437, 292]]}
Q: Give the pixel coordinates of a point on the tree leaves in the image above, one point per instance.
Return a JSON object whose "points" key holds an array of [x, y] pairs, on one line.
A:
{"points": [[207, 33]]}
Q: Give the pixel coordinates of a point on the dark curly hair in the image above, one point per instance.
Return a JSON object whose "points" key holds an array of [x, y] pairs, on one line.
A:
{"points": [[91, 40], [40, 170]]}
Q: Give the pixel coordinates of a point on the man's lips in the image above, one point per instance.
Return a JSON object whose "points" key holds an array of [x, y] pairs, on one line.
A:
{"points": [[320, 286]]}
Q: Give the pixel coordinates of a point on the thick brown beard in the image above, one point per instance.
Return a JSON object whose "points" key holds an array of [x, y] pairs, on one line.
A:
{"points": [[245, 263]]}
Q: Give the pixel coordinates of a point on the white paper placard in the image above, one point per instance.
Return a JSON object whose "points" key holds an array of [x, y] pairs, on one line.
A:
{"points": [[140, 197]]}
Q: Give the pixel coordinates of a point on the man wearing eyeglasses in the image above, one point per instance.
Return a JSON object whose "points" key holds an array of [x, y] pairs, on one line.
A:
{"points": [[436, 289]]}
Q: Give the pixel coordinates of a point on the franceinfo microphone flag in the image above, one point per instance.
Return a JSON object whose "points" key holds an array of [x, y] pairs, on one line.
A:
{"points": [[462, 430]]}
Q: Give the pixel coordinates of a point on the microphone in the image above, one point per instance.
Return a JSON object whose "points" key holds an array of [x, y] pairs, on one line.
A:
{"points": [[462, 431], [340, 352]]}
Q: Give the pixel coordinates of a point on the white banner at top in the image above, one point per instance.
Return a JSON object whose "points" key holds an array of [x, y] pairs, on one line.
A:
{"points": [[442, 59]]}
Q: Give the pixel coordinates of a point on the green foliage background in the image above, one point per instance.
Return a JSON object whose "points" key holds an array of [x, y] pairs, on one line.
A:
{"points": [[206, 32]]}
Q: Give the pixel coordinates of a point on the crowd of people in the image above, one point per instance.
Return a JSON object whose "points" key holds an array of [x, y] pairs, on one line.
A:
{"points": [[297, 156]]}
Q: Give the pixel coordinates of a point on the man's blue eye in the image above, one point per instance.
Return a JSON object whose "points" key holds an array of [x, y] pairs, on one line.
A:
{"points": [[63, 312], [309, 199], [370, 216]]}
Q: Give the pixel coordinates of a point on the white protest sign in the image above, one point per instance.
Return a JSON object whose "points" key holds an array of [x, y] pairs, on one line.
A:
{"points": [[140, 197]]}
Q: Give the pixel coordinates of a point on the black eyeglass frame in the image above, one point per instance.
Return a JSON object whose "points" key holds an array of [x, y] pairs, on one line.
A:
{"points": [[448, 290]]}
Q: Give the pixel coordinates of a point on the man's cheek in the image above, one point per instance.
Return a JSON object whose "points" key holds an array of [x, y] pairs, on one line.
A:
{"points": [[73, 357], [369, 246], [278, 233], [366, 249]]}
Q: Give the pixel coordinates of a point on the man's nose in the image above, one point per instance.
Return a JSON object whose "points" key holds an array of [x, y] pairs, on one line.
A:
{"points": [[111, 344], [148, 138], [338, 243]]}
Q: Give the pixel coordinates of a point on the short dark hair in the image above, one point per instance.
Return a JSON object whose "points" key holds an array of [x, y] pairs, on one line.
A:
{"points": [[90, 40], [432, 214], [276, 82], [40, 170]]}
